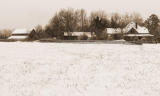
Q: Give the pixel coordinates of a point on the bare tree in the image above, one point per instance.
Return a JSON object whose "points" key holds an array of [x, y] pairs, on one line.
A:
{"points": [[63, 21], [5, 33], [83, 23], [136, 17], [116, 20]]}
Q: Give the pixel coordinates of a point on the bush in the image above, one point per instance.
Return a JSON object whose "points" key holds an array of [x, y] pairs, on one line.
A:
{"points": [[110, 37], [103, 36], [83, 37], [93, 38], [117, 36]]}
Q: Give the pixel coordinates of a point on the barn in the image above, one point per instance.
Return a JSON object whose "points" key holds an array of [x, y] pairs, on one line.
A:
{"points": [[76, 35], [19, 34], [114, 33]]}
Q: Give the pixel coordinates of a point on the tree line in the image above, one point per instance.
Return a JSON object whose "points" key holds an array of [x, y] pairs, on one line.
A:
{"points": [[4, 34], [71, 20]]}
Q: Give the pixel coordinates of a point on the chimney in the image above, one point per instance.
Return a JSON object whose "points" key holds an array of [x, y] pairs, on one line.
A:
{"points": [[136, 25]]}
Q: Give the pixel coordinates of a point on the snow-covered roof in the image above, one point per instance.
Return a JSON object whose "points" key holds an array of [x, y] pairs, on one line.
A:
{"points": [[139, 29], [142, 29], [77, 34], [130, 26], [113, 30], [18, 37], [20, 31]]}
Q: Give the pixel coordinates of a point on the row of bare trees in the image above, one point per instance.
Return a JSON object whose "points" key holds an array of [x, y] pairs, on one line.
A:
{"points": [[5, 33], [71, 20]]}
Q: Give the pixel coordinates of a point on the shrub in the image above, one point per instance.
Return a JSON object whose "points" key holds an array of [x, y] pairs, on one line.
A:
{"points": [[93, 38], [103, 36], [110, 37], [83, 37]]}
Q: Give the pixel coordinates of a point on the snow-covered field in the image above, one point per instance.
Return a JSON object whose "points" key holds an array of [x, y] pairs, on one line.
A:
{"points": [[64, 69]]}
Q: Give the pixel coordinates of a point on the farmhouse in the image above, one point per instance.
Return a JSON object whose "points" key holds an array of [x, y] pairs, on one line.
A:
{"points": [[19, 34], [114, 33], [76, 35], [134, 32]]}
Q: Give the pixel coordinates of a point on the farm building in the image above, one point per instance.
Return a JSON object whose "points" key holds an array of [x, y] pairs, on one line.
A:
{"points": [[19, 34], [114, 33], [134, 32], [76, 35]]}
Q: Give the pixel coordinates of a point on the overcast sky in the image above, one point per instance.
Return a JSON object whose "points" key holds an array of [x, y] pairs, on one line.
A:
{"points": [[29, 13]]}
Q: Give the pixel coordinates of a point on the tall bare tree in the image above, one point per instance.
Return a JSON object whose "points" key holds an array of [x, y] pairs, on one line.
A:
{"points": [[136, 17], [115, 20]]}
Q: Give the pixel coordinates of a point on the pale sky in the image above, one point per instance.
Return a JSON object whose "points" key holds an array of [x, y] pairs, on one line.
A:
{"points": [[29, 13]]}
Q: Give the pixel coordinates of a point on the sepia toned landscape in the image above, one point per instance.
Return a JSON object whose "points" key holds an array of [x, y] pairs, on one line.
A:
{"points": [[74, 24], [79, 48]]}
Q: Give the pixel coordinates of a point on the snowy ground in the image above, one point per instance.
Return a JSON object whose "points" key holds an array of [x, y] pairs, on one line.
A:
{"points": [[57, 69]]}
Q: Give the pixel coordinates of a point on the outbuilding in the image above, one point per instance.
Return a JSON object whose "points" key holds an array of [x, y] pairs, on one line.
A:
{"points": [[114, 33], [76, 35], [19, 34]]}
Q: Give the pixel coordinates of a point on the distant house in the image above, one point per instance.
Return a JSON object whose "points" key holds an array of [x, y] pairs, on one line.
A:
{"points": [[134, 32], [19, 34], [114, 33], [76, 35]]}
